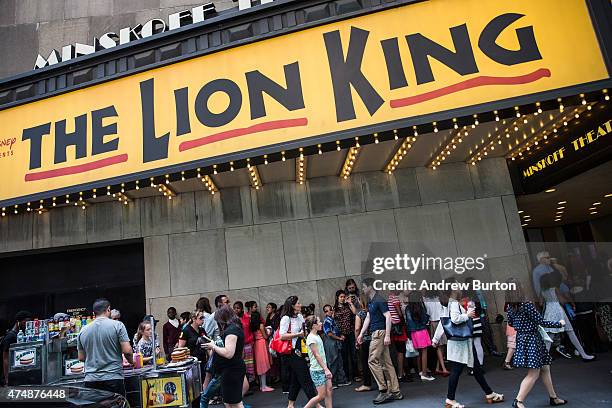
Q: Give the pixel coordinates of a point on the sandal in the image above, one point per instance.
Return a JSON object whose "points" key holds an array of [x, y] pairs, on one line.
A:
{"points": [[453, 404], [494, 398], [554, 401], [507, 366], [363, 388]]}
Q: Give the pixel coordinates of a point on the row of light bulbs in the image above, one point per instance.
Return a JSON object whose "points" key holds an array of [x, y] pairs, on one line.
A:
{"points": [[350, 161], [300, 166]]}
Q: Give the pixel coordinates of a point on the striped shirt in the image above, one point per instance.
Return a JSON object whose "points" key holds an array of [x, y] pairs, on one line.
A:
{"points": [[477, 324], [394, 305]]}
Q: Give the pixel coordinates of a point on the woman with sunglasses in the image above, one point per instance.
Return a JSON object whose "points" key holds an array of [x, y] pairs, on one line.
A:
{"points": [[189, 338]]}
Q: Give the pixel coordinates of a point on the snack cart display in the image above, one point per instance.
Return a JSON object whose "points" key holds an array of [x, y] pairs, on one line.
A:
{"points": [[49, 356]]}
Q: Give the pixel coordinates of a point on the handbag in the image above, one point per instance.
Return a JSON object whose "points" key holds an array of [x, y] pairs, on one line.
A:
{"points": [[410, 350], [544, 335], [457, 332], [281, 347]]}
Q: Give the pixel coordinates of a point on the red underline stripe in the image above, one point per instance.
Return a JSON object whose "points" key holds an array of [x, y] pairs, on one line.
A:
{"points": [[471, 83], [228, 134], [81, 168]]}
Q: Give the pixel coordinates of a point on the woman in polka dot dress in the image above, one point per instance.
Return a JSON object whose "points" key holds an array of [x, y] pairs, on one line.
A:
{"points": [[531, 352]]}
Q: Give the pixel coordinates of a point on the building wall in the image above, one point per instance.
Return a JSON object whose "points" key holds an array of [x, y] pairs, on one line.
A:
{"points": [[30, 27], [297, 239]]}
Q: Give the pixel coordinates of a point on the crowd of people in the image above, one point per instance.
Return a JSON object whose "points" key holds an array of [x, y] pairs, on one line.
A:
{"points": [[371, 339], [376, 340]]}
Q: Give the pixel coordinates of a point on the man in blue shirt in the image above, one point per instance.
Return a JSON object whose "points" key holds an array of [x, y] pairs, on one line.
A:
{"points": [[378, 320], [542, 269]]}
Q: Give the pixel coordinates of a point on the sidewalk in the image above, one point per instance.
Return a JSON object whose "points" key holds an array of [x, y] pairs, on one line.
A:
{"points": [[584, 385]]}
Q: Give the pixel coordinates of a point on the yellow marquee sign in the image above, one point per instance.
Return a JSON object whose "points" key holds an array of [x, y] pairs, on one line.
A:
{"points": [[408, 61]]}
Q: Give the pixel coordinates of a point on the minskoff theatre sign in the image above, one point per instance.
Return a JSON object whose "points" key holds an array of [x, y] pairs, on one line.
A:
{"points": [[366, 71], [128, 34]]}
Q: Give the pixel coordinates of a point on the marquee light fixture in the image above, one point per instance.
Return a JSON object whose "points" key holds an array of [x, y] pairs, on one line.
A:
{"points": [[254, 175], [122, 198], [543, 136], [166, 191], [401, 152], [210, 184], [449, 144], [300, 167], [350, 161]]}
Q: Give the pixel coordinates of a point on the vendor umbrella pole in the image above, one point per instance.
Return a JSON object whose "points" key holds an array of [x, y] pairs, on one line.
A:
{"points": [[153, 339]]}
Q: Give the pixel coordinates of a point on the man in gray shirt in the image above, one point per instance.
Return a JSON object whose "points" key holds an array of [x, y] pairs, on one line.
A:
{"points": [[100, 345]]}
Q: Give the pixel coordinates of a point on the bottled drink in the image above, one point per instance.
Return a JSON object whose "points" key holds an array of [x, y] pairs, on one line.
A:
{"points": [[20, 337]]}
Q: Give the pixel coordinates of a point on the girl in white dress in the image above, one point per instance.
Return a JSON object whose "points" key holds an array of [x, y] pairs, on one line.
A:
{"points": [[554, 312]]}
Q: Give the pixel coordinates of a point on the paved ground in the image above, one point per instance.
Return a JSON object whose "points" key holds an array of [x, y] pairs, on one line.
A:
{"points": [[587, 385]]}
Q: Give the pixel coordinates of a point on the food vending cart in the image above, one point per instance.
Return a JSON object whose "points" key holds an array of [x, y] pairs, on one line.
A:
{"points": [[54, 362]]}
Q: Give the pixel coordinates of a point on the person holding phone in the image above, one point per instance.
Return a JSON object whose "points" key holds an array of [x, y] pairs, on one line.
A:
{"points": [[228, 358]]}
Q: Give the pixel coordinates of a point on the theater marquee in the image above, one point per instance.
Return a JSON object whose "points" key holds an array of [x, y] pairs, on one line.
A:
{"points": [[400, 63]]}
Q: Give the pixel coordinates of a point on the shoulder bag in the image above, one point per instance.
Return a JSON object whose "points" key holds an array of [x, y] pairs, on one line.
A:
{"points": [[457, 332], [281, 347]]}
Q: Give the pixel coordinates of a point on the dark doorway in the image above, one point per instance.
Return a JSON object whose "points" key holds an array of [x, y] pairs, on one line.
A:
{"points": [[51, 282]]}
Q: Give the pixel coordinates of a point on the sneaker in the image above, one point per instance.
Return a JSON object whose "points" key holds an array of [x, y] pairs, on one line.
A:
{"points": [[562, 352], [345, 384], [382, 397], [427, 378], [396, 396]]}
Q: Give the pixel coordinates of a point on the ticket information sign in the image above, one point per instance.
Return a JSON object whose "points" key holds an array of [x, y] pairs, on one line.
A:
{"points": [[327, 80]]}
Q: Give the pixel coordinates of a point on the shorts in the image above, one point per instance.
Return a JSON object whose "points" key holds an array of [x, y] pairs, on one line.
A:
{"points": [[318, 378], [231, 384]]}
